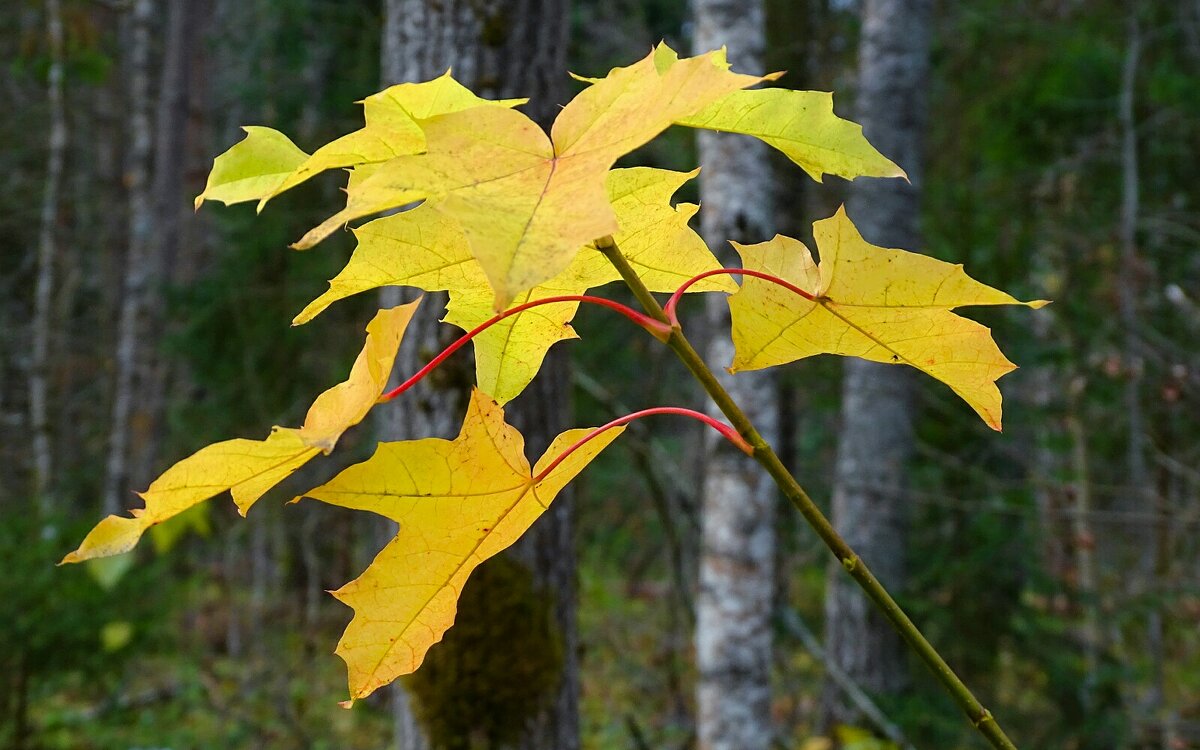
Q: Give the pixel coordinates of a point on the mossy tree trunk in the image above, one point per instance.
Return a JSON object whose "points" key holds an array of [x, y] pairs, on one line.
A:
{"points": [[498, 48]]}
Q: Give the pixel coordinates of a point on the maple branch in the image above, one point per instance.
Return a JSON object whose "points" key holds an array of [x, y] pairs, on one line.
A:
{"points": [[656, 328], [726, 431], [980, 717], [673, 302]]}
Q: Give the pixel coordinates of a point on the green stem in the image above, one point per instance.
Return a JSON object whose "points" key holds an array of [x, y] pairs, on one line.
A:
{"points": [[980, 717]]}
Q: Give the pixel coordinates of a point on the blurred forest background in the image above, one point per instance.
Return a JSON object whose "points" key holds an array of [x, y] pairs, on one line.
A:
{"points": [[1054, 144]]}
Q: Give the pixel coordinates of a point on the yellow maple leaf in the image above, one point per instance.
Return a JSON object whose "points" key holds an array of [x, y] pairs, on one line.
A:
{"points": [[253, 168], [266, 162], [803, 126], [878, 304], [527, 202], [426, 249], [248, 468], [458, 502]]}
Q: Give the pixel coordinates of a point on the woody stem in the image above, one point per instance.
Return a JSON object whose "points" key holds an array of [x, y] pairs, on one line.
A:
{"points": [[980, 717]]}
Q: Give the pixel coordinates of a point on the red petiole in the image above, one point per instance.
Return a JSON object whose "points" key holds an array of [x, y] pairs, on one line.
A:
{"points": [[673, 302], [657, 328], [726, 431]]}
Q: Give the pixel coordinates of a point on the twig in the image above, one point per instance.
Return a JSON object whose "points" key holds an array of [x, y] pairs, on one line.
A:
{"points": [[762, 452]]}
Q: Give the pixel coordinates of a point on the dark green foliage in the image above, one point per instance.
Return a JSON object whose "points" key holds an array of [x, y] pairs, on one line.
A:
{"points": [[62, 629]]}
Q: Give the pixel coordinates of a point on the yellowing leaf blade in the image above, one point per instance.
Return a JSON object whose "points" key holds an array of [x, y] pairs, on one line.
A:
{"points": [[425, 248], [248, 468], [458, 503], [803, 126], [346, 404], [253, 168], [633, 104], [878, 304], [527, 205], [420, 248], [468, 150], [655, 238], [391, 127]]}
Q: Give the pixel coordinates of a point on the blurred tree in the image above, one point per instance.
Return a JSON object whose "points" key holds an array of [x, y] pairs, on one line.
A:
{"points": [[506, 48], [155, 177], [737, 551], [140, 266], [1031, 544], [47, 258], [876, 437]]}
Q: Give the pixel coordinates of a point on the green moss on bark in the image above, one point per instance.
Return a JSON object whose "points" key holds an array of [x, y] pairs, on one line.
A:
{"points": [[496, 667]]}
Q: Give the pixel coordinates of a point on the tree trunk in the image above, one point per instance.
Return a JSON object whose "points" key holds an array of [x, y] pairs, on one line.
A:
{"points": [[39, 417], [1141, 495], [138, 272], [498, 48], [877, 414], [170, 205], [734, 602], [548, 548], [155, 179]]}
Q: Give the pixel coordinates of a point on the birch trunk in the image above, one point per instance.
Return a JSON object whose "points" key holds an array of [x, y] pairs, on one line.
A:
{"points": [[1083, 538], [877, 412], [39, 418], [1141, 495], [155, 179], [170, 205], [138, 269], [498, 48], [734, 602]]}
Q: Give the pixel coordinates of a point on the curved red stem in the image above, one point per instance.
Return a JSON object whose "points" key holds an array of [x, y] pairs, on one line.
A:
{"points": [[673, 302], [655, 327], [726, 431]]}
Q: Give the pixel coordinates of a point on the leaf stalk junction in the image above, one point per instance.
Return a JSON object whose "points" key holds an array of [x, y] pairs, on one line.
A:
{"points": [[670, 308], [980, 717], [657, 328], [663, 323]]}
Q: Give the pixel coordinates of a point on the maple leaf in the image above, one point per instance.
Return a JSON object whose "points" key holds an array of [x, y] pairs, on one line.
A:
{"points": [[425, 249], [248, 468], [253, 168], [878, 304], [458, 502], [266, 162], [527, 202], [803, 126]]}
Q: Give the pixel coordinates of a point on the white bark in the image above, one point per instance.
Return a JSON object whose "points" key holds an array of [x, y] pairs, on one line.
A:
{"points": [[47, 253], [138, 266], [734, 602], [1141, 494], [876, 433], [1084, 537], [170, 258], [154, 175]]}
